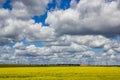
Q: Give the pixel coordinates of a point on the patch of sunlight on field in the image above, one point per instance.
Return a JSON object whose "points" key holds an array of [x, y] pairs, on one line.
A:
{"points": [[60, 73]]}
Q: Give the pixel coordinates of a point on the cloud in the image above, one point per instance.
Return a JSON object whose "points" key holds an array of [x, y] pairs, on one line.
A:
{"points": [[71, 37], [19, 45], [30, 51], [13, 29], [52, 53], [112, 45], [73, 48], [79, 51], [5, 56], [37, 32], [5, 49], [87, 17], [76, 52], [16, 24], [88, 40], [4, 14], [36, 7], [73, 3]]}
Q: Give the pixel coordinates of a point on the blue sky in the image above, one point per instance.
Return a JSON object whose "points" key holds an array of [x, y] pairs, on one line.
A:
{"points": [[7, 5], [58, 31]]}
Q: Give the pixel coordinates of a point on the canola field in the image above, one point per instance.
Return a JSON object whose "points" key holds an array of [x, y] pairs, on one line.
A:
{"points": [[60, 73]]}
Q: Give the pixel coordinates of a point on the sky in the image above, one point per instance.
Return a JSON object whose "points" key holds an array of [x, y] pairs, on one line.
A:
{"points": [[60, 32]]}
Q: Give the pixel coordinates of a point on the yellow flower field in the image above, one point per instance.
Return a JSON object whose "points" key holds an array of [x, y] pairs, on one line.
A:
{"points": [[60, 73]]}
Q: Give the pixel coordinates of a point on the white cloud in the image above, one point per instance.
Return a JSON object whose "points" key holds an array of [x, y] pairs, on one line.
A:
{"points": [[73, 3], [37, 32], [73, 53], [5, 56], [19, 45], [13, 29], [31, 50], [89, 17], [32, 8], [117, 49], [5, 49], [20, 11], [61, 44], [111, 52], [16, 24], [115, 45], [98, 41], [88, 40], [3, 15]]}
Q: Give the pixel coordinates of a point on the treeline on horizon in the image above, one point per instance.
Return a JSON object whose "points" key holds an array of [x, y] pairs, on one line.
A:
{"points": [[52, 65]]}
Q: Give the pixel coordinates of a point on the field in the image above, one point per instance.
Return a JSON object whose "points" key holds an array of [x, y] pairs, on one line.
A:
{"points": [[60, 73]]}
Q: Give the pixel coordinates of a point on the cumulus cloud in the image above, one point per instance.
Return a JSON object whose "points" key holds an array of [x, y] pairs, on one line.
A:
{"points": [[37, 32], [6, 53], [5, 49], [36, 7], [88, 17], [30, 51], [77, 52], [19, 45], [73, 3], [63, 41], [13, 30], [17, 24], [88, 40]]}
